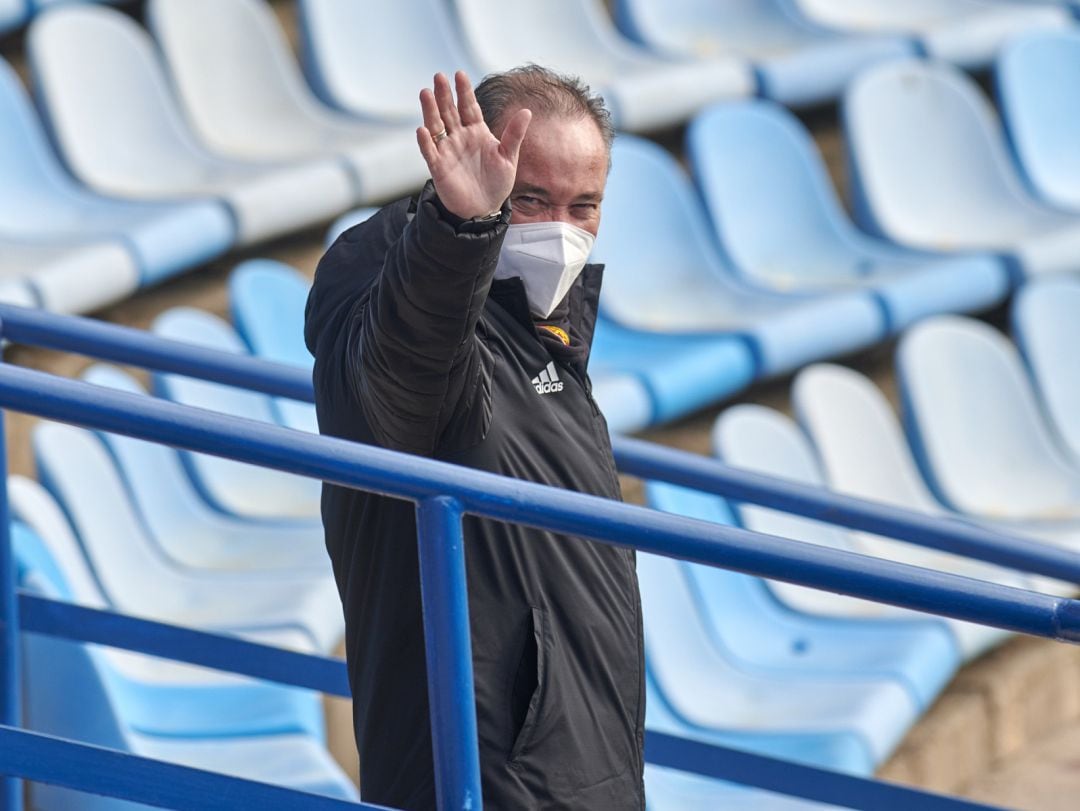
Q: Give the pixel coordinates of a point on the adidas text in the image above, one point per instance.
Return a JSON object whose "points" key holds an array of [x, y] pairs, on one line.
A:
{"points": [[547, 382]]}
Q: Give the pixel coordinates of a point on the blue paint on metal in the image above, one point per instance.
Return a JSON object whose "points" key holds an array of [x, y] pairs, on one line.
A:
{"points": [[785, 777], [10, 692], [448, 647], [222, 652], [97, 770]]}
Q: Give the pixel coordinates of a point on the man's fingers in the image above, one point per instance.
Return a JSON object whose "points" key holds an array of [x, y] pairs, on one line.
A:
{"points": [[427, 146], [468, 108], [514, 133], [444, 97], [430, 109]]}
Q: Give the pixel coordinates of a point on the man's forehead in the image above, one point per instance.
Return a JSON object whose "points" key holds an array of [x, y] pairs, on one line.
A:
{"points": [[559, 153]]}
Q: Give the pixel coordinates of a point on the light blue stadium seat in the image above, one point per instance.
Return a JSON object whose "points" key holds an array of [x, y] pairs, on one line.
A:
{"points": [[1047, 330], [745, 615], [103, 91], [665, 275], [967, 33], [156, 696], [345, 222], [53, 273], [762, 440], [705, 687], [1037, 77], [13, 13], [797, 62], [671, 790], [644, 91], [373, 58], [190, 531], [978, 427], [38, 198], [94, 713], [930, 169], [245, 96], [774, 209], [233, 487], [864, 453], [304, 614]]}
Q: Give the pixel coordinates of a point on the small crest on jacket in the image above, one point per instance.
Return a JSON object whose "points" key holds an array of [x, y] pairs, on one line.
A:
{"points": [[547, 382]]}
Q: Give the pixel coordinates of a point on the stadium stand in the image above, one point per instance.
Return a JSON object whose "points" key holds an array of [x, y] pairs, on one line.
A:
{"points": [[347, 46], [1046, 329], [967, 33], [758, 629], [979, 429], [930, 168], [39, 199], [864, 452], [112, 113], [797, 62], [774, 210], [1035, 81], [644, 91], [232, 487], [763, 440], [244, 95]]}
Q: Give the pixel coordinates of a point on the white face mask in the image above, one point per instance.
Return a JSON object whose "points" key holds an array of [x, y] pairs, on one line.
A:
{"points": [[548, 256]]}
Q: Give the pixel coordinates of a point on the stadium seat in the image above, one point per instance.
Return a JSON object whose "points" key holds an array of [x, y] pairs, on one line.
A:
{"points": [[95, 713], [134, 571], [664, 275], [758, 629], [157, 696], [104, 94], [345, 222], [55, 275], [672, 790], [13, 13], [930, 169], [978, 427], [39, 199], [967, 33], [1047, 330], [246, 98], [797, 63], [701, 683], [774, 209], [762, 440], [372, 58], [644, 91], [864, 453], [1037, 78], [188, 530], [232, 487]]}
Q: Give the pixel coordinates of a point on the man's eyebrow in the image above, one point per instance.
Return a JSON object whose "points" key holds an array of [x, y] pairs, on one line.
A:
{"points": [[539, 191]]}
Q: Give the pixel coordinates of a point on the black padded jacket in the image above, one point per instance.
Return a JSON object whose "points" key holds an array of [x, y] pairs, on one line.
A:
{"points": [[418, 349]]}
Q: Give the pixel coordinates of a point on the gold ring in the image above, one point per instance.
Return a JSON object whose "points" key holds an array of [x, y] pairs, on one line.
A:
{"points": [[439, 135]]}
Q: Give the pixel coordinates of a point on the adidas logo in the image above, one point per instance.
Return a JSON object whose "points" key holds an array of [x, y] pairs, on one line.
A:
{"points": [[547, 382]]}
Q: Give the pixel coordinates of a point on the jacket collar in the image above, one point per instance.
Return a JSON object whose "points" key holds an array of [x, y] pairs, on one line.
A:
{"points": [[584, 300]]}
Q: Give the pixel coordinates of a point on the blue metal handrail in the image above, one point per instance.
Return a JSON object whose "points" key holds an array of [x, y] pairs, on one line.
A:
{"points": [[443, 494]]}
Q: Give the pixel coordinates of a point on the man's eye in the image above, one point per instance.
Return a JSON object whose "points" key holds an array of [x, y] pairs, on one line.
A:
{"points": [[525, 200]]}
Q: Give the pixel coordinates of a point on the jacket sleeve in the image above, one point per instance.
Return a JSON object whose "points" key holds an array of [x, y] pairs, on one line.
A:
{"points": [[412, 358]]}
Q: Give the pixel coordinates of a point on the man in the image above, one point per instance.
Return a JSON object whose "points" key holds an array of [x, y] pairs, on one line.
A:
{"points": [[456, 326]]}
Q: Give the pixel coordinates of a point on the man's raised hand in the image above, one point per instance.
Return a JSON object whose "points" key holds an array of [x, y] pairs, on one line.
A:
{"points": [[473, 170]]}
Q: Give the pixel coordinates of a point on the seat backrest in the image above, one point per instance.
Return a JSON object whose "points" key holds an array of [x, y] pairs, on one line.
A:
{"points": [[372, 58], [858, 438], [1036, 88], [928, 161], [885, 15], [660, 258], [570, 36], [706, 27], [768, 194], [106, 98], [267, 300], [977, 424], [239, 84], [1047, 329]]}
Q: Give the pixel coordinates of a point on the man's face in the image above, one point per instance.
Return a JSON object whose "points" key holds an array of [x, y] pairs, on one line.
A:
{"points": [[562, 169]]}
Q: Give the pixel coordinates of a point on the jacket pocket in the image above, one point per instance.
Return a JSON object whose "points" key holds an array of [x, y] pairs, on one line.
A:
{"points": [[532, 670]]}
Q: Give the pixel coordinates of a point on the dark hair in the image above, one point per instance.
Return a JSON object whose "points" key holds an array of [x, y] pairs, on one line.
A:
{"points": [[545, 92]]}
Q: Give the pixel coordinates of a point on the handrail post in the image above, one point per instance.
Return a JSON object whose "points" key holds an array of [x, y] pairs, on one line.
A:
{"points": [[448, 646], [10, 698]]}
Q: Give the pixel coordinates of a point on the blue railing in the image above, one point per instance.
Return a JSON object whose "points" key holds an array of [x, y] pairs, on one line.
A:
{"points": [[443, 493]]}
